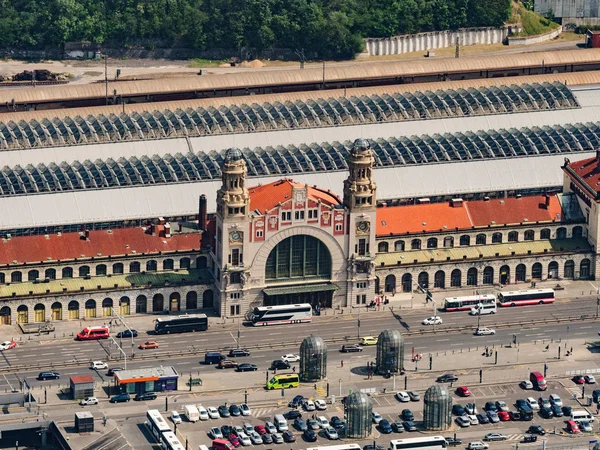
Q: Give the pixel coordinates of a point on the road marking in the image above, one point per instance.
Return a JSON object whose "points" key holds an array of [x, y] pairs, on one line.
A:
{"points": [[581, 328], [442, 340]]}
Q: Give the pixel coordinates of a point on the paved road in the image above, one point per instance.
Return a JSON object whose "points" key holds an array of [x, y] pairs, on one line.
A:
{"points": [[58, 351]]}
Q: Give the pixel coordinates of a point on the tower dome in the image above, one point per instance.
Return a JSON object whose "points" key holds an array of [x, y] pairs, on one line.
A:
{"points": [[233, 154], [360, 145]]}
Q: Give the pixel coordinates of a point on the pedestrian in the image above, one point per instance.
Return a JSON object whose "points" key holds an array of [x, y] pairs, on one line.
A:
{"points": [[571, 351], [294, 369], [342, 362]]}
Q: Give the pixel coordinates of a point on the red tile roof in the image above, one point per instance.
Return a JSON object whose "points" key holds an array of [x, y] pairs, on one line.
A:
{"points": [[120, 241], [76, 379], [587, 173], [267, 196], [478, 213]]}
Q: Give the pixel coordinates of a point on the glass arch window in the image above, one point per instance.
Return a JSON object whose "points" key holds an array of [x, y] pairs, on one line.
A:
{"points": [[298, 257]]}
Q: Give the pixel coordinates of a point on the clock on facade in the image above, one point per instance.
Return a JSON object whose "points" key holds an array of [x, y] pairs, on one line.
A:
{"points": [[363, 227], [235, 236]]}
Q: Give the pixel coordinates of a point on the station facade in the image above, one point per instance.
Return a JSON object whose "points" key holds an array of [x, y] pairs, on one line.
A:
{"points": [[287, 242]]}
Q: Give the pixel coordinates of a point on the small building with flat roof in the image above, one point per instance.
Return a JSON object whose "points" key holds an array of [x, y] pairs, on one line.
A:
{"points": [[152, 379], [82, 386]]}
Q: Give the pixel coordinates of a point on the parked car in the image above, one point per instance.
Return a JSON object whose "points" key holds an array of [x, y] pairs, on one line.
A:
{"points": [[234, 353], [502, 406], [529, 438], [202, 412], [308, 405], [176, 418], [255, 438], [235, 410], [556, 410], [245, 367], [589, 379], [148, 345], [490, 406], [266, 438], [555, 400], [579, 379], [332, 435], [300, 424], [336, 422], [313, 424], [533, 404], [224, 411], [414, 396], [292, 414], [543, 402], [585, 426], [127, 334], [546, 413], [572, 427], [452, 441], [244, 439], [120, 398], [567, 410], [309, 435], [526, 384], [213, 412], [215, 433], [463, 391], [385, 427], [288, 436], [458, 410], [471, 408], [323, 422], [260, 429], [245, 409], [483, 418], [446, 378], [271, 429], [397, 427], [495, 437], [376, 417], [407, 414], [409, 425], [537, 429], [504, 416], [320, 404], [89, 401], [145, 396], [277, 438], [477, 445], [402, 396], [351, 348], [473, 419], [493, 416], [463, 421]]}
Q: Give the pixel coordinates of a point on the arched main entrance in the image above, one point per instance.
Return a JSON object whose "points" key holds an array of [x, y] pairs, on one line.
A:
{"points": [[553, 269], [174, 301], [472, 277], [39, 313], [521, 273], [73, 308], [158, 303], [488, 275], [56, 311], [504, 274], [439, 279], [390, 283], [107, 306], [300, 259], [208, 299], [456, 278], [191, 300], [22, 314], [5, 313], [141, 304], [569, 269], [124, 306], [423, 280], [90, 309], [407, 282], [536, 271]]}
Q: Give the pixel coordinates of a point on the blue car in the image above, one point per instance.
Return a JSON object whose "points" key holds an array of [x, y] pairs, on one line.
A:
{"points": [[385, 427]]}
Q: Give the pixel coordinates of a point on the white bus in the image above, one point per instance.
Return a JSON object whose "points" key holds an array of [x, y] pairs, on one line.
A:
{"points": [[421, 443], [169, 441], [156, 423], [337, 447], [276, 315], [466, 303], [526, 297]]}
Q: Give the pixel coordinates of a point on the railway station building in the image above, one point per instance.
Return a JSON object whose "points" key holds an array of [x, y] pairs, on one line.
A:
{"points": [[332, 201]]}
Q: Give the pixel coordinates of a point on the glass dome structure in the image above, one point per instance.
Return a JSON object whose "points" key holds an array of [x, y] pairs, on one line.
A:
{"points": [[390, 352], [313, 359], [437, 408], [358, 409]]}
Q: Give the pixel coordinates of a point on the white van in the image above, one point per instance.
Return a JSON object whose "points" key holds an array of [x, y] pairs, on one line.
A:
{"points": [[280, 422], [191, 412], [581, 415]]}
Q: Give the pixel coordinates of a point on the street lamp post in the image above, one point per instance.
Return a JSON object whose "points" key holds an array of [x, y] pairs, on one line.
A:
{"points": [[358, 321]]}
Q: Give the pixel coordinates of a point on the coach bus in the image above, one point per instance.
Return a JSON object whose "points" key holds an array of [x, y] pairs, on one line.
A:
{"points": [[169, 441], [420, 443], [277, 315], [337, 447], [181, 324], [466, 303], [526, 297], [156, 423]]}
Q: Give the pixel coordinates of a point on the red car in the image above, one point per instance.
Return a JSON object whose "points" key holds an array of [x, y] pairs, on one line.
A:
{"points": [[579, 379], [504, 416], [260, 429], [234, 440], [463, 391], [7, 345], [572, 427]]}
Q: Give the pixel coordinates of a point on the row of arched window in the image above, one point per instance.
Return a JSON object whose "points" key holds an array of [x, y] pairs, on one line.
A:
{"points": [[480, 239], [504, 276], [100, 270]]}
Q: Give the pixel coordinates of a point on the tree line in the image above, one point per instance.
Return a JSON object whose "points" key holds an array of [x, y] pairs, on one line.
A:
{"points": [[323, 28]]}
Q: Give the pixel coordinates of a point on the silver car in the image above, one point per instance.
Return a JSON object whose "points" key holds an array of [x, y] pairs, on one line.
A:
{"points": [[463, 421], [255, 438]]}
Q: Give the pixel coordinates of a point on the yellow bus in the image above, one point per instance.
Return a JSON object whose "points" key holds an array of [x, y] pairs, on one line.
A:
{"points": [[285, 380]]}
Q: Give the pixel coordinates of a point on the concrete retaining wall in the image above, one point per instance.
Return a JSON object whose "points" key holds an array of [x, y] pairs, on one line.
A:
{"points": [[407, 43], [527, 40]]}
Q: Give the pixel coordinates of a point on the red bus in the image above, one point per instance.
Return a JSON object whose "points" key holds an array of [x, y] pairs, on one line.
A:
{"points": [[526, 297], [93, 333]]}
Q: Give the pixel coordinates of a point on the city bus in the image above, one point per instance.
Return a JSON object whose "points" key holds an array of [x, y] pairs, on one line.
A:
{"points": [[421, 443], [156, 423], [284, 380], [337, 447], [466, 303], [526, 297], [169, 441], [181, 324], [276, 315]]}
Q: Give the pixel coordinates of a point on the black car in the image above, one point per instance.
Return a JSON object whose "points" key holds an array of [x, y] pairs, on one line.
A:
{"points": [[224, 412], [336, 422], [537, 429], [293, 414], [372, 447], [48, 376], [112, 371], [521, 403], [446, 378], [458, 410], [280, 364], [300, 424], [288, 436], [453, 441], [266, 438], [127, 334], [407, 414], [556, 411], [546, 413], [567, 410], [397, 427], [226, 430], [385, 427], [120, 398], [238, 352], [514, 415], [483, 418], [491, 406], [246, 367], [296, 401], [309, 436], [409, 425], [145, 396], [529, 438], [234, 410], [351, 348]]}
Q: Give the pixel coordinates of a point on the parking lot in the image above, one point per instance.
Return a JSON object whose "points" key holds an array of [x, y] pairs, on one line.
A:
{"points": [[390, 408]]}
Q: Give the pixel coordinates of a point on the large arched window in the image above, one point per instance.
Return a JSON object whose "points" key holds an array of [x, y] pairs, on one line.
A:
{"points": [[382, 247], [432, 243], [298, 257], [399, 246]]}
